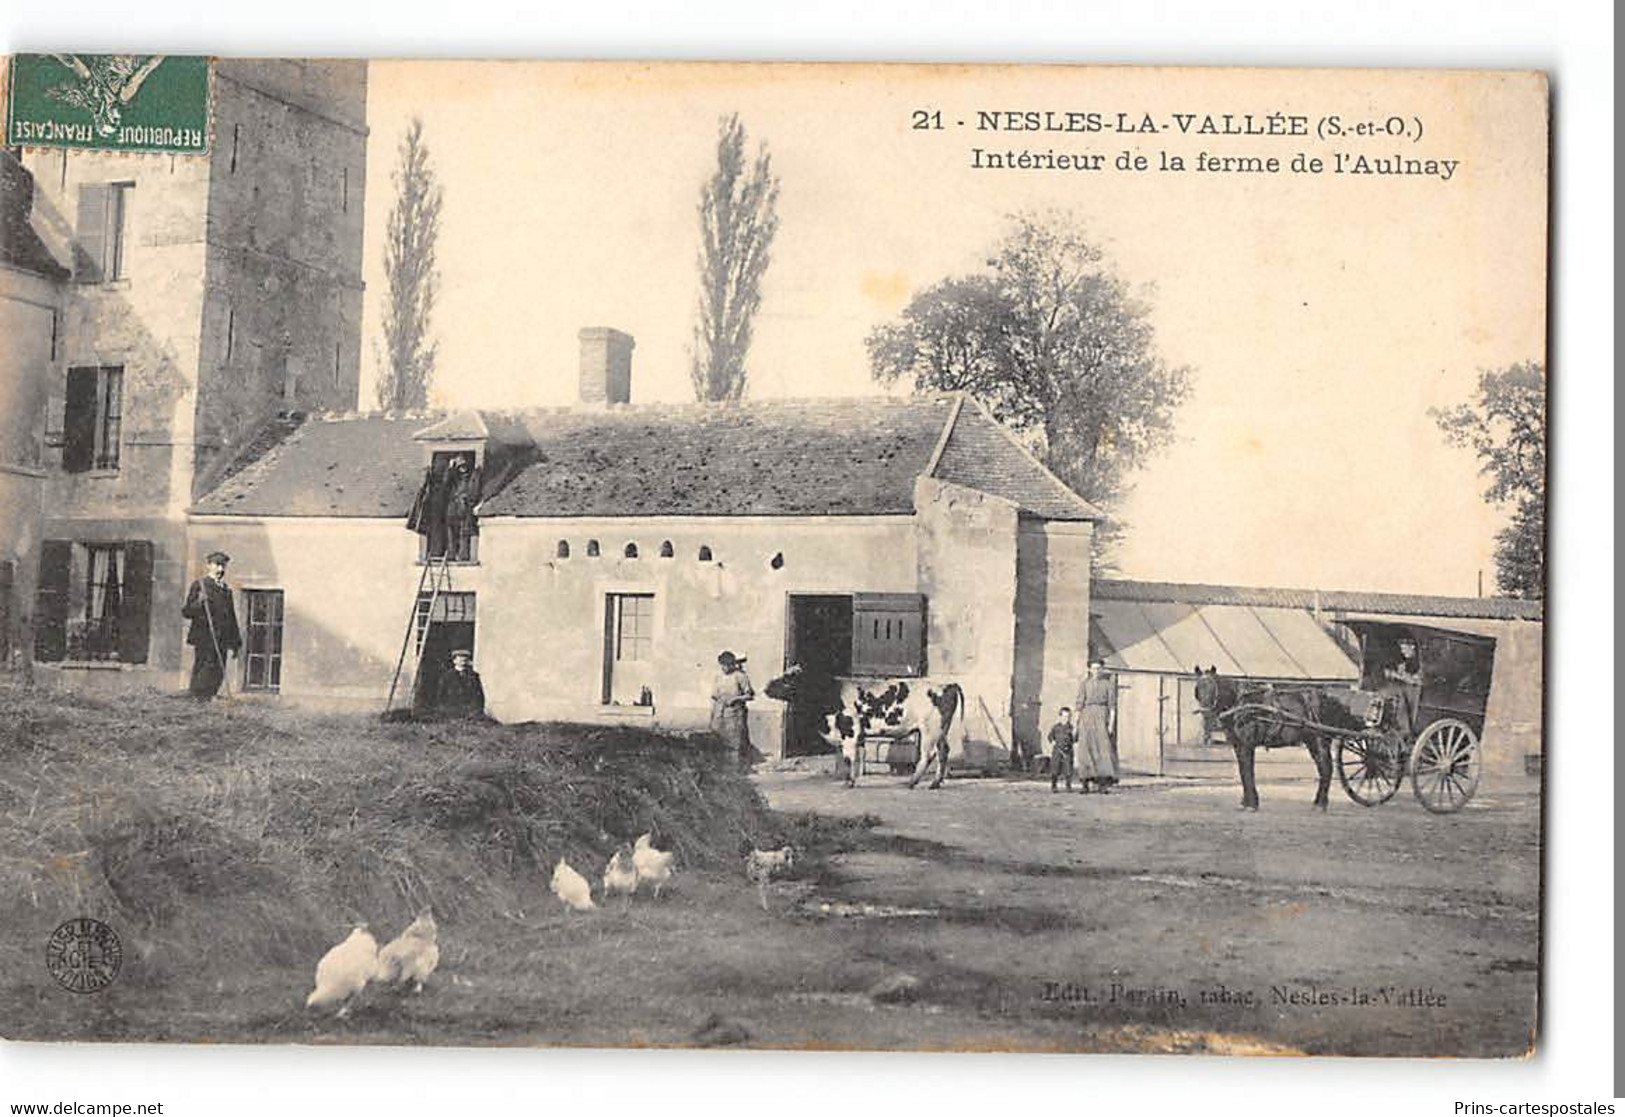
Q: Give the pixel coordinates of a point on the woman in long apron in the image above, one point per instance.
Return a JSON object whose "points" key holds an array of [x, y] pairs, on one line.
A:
{"points": [[1096, 758], [729, 718]]}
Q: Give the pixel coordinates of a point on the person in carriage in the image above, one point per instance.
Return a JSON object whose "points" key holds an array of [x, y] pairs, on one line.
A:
{"points": [[1401, 686]]}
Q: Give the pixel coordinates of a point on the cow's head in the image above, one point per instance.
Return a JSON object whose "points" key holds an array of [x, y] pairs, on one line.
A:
{"points": [[786, 686]]}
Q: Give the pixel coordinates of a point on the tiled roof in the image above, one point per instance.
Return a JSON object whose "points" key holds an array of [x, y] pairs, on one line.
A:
{"points": [[1338, 601], [359, 466], [980, 454], [771, 458], [802, 458]]}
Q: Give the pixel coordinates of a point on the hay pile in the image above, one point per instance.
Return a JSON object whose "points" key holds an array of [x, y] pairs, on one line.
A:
{"points": [[235, 835]]}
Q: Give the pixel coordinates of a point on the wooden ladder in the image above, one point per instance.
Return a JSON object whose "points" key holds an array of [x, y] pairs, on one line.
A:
{"points": [[437, 576]]}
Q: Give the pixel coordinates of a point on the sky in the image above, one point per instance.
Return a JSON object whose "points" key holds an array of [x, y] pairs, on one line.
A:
{"points": [[1321, 315]]}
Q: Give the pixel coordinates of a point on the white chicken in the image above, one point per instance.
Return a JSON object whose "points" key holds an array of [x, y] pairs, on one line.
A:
{"points": [[762, 865], [621, 875], [652, 865], [572, 888], [412, 957], [344, 971]]}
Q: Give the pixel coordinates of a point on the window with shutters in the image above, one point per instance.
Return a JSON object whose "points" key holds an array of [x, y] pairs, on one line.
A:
{"points": [[100, 242], [93, 418], [94, 602], [888, 634], [262, 640]]}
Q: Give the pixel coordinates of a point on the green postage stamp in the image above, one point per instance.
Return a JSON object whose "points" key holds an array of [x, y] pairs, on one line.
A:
{"points": [[109, 102]]}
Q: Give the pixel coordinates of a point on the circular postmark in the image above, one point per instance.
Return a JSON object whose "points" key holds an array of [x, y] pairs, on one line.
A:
{"points": [[84, 955]]}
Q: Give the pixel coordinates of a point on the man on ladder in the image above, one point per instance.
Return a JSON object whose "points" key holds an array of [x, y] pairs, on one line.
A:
{"points": [[213, 632]]}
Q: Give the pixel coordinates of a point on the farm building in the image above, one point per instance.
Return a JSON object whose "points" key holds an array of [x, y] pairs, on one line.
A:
{"points": [[620, 548], [1153, 634]]}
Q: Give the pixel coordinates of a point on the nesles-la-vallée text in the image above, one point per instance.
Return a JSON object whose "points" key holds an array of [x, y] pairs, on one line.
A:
{"points": [[1220, 995]]}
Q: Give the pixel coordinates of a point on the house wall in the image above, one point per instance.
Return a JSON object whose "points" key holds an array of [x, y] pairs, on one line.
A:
{"points": [[27, 325], [543, 649], [348, 590], [349, 585], [967, 558]]}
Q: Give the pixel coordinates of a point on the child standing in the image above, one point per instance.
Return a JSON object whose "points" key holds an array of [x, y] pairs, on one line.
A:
{"points": [[1062, 738]]}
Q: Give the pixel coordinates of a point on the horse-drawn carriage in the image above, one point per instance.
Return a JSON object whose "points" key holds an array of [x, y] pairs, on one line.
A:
{"points": [[1418, 709]]}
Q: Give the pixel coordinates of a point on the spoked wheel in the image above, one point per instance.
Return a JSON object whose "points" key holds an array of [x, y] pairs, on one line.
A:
{"points": [[1445, 766], [1369, 768]]}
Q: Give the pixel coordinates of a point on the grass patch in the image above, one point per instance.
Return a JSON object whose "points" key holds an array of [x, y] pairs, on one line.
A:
{"points": [[227, 839]]}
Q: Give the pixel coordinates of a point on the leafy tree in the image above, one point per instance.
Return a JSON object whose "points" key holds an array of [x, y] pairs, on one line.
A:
{"points": [[1505, 425], [1057, 346], [738, 219], [408, 356]]}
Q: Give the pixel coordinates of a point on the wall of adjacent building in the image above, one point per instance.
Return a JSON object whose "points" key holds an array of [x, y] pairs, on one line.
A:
{"points": [[967, 570], [281, 321], [272, 247]]}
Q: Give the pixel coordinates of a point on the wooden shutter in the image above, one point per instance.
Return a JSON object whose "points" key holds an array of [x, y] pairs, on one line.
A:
{"points": [[90, 234], [79, 421], [51, 602], [888, 634], [135, 608]]}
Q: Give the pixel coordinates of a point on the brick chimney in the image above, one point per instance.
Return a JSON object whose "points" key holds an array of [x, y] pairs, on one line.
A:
{"points": [[606, 365]]}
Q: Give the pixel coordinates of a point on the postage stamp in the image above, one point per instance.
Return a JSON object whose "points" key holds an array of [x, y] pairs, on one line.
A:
{"points": [[109, 102]]}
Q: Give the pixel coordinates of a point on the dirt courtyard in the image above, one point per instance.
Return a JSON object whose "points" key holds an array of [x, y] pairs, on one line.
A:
{"points": [[1073, 920]]}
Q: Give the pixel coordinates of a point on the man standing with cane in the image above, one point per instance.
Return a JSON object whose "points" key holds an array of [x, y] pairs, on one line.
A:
{"points": [[213, 632]]}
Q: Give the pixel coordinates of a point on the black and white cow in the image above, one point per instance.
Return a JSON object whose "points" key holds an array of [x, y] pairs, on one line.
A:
{"points": [[887, 707]]}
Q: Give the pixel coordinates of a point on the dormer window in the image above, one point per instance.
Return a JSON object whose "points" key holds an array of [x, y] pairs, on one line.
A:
{"points": [[443, 513]]}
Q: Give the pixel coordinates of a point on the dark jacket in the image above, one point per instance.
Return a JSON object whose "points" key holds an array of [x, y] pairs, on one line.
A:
{"points": [[461, 694], [219, 609]]}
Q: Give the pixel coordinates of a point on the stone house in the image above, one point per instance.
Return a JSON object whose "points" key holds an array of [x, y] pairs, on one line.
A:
{"points": [[620, 548], [203, 294], [31, 284]]}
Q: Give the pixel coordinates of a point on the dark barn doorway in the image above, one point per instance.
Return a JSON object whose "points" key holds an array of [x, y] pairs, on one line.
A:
{"points": [[819, 638]]}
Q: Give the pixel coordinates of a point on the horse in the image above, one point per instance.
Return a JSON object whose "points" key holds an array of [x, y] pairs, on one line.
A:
{"points": [[1244, 710]]}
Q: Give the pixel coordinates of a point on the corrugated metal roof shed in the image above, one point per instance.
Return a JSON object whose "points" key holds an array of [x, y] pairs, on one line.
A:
{"points": [[1338, 601], [1259, 642]]}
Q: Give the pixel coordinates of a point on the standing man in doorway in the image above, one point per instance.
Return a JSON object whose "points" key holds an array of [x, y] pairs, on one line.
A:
{"points": [[213, 633], [461, 694]]}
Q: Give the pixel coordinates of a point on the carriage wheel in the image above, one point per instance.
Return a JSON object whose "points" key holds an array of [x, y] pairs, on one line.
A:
{"points": [[1445, 766], [1369, 768]]}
